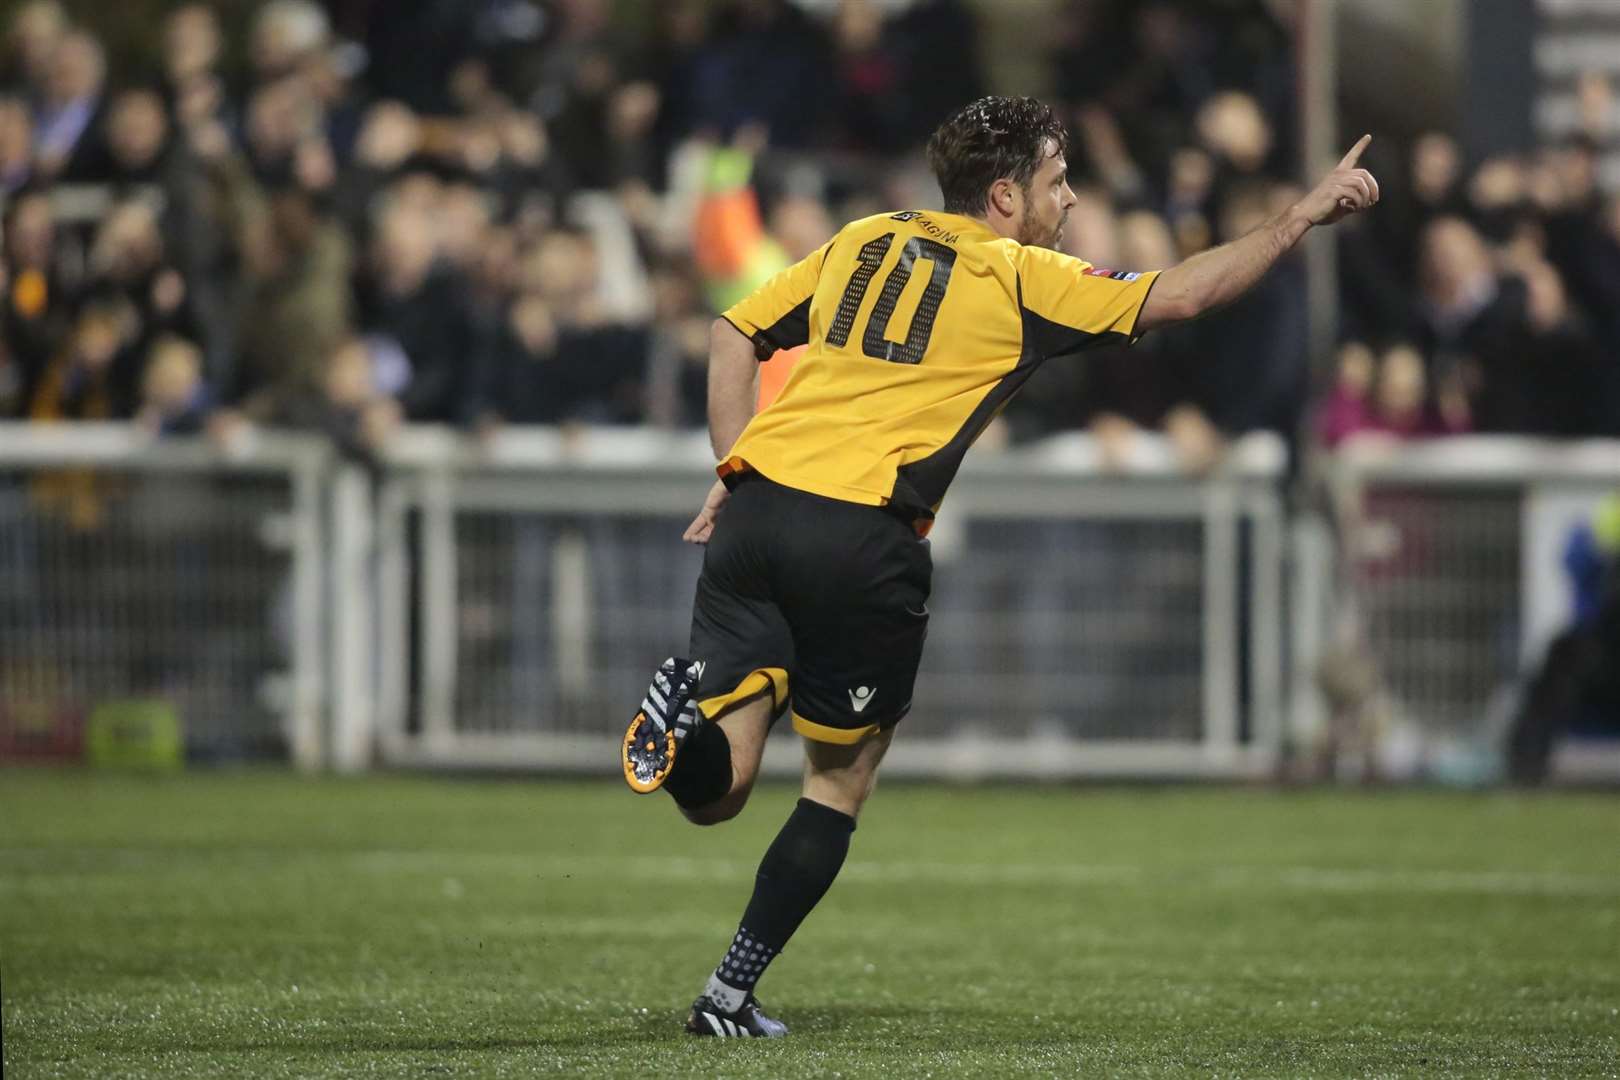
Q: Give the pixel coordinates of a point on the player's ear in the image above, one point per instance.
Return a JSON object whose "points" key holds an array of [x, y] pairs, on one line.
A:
{"points": [[1004, 196]]}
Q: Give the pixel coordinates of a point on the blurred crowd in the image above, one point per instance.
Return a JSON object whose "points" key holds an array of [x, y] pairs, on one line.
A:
{"points": [[1486, 299], [488, 212]]}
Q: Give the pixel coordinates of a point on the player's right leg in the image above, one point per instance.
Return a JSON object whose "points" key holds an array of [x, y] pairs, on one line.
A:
{"points": [[796, 872], [853, 583]]}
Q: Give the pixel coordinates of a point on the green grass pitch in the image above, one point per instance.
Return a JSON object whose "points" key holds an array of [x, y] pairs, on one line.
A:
{"points": [[256, 924]]}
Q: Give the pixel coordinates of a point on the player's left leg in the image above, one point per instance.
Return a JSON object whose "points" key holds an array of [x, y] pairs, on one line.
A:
{"points": [[701, 727], [738, 744], [796, 872], [705, 753]]}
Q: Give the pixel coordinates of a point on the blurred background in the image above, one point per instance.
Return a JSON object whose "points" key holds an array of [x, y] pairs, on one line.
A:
{"points": [[352, 378]]}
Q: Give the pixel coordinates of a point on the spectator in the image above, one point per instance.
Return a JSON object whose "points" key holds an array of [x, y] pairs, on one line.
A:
{"points": [[192, 46], [464, 177], [418, 48], [1232, 128], [1461, 302], [137, 139], [193, 88], [938, 45], [36, 30], [16, 145], [1581, 243], [764, 66], [1348, 408], [389, 136], [1402, 405], [287, 34], [416, 314], [282, 117], [1433, 189], [1577, 684], [867, 79], [298, 304], [127, 261], [1246, 368], [354, 407], [67, 142], [174, 398], [522, 382], [600, 363], [678, 361], [1545, 375], [671, 59], [39, 297], [1131, 389], [78, 383], [1189, 200], [1088, 62]]}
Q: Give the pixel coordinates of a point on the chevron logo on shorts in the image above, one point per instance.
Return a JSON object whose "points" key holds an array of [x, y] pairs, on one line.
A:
{"points": [[860, 696]]}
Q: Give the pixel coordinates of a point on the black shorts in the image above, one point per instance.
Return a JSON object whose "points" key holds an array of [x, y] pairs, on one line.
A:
{"points": [[812, 599]]}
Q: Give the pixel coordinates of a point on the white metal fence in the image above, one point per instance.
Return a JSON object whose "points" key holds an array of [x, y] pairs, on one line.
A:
{"points": [[501, 604], [1452, 576], [1084, 623], [137, 570]]}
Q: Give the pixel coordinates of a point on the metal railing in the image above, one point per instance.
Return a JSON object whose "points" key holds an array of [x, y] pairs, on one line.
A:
{"points": [[134, 569], [1450, 572], [501, 603], [1085, 623]]}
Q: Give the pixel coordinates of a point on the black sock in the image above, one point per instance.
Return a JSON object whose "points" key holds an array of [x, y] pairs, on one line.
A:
{"points": [[702, 771], [798, 869]]}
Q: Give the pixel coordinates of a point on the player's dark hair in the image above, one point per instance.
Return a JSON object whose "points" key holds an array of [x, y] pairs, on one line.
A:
{"points": [[992, 139]]}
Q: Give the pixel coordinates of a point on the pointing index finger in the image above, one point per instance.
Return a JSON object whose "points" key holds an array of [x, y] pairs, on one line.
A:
{"points": [[1354, 155]]}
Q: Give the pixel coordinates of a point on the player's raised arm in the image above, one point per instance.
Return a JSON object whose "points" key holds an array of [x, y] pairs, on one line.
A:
{"points": [[1222, 274]]}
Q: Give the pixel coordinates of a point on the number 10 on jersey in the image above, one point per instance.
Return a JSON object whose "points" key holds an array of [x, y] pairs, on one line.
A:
{"points": [[875, 342]]}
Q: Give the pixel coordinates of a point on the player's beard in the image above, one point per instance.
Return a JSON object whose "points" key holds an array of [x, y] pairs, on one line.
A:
{"points": [[1033, 233]]}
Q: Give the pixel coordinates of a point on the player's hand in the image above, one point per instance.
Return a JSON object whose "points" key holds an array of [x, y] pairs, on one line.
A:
{"points": [[1346, 190], [703, 525]]}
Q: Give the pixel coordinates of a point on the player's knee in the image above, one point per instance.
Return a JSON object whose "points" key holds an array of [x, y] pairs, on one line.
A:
{"points": [[844, 799], [721, 810], [843, 777]]}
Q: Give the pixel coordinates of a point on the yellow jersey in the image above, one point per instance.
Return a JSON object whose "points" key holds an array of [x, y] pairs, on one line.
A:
{"points": [[920, 327]]}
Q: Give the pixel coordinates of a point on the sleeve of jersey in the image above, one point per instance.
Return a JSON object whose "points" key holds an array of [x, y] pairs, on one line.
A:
{"points": [[777, 314], [1070, 305]]}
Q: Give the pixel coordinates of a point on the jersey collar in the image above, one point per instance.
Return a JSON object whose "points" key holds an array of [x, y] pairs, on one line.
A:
{"points": [[967, 226]]}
